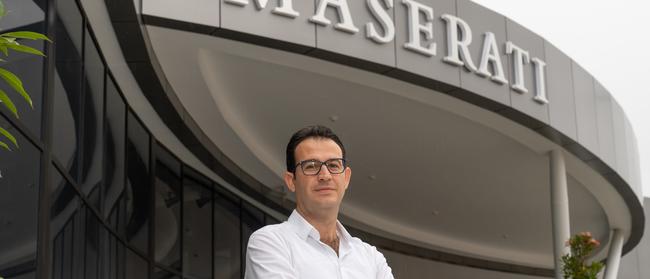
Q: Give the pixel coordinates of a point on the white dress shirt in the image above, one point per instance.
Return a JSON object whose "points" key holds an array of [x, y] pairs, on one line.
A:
{"points": [[293, 250]]}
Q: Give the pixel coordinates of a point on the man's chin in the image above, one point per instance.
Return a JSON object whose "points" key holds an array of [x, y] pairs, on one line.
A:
{"points": [[327, 203]]}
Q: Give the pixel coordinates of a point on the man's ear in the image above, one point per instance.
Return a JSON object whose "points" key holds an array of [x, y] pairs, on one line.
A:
{"points": [[348, 175], [288, 180]]}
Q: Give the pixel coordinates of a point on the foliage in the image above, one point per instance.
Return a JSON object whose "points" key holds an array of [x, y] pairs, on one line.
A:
{"points": [[11, 41], [574, 264]]}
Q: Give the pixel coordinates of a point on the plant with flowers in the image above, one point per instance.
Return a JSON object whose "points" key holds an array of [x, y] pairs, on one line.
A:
{"points": [[575, 264]]}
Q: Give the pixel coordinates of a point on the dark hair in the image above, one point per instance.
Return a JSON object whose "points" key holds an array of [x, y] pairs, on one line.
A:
{"points": [[316, 131]]}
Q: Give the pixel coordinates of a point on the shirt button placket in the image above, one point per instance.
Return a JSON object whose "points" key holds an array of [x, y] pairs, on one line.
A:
{"points": [[336, 259]]}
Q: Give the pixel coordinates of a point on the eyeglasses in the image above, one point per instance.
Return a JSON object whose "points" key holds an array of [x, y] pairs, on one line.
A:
{"points": [[313, 167]]}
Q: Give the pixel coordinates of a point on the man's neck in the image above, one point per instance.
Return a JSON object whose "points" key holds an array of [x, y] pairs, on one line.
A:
{"points": [[324, 223]]}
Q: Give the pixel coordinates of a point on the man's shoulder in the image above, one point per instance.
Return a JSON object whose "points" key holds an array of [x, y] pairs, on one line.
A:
{"points": [[365, 247], [270, 232]]}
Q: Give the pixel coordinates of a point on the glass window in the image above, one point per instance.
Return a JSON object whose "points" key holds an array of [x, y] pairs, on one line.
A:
{"points": [[67, 85], [19, 187], [168, 197], [252, 220], [136, 266], [92, 245], [93, 120], [197, 225], [78, 243], [117, 218], [104, 264], [70, 21], [114, 141], [65, 204], [138, 186], [160, 273], [270, 220], [112, 256], [227, 237], [25, 16], [93, 197]]}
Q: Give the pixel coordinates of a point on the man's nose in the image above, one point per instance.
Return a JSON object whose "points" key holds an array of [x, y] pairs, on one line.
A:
{"points": [[324, 173]]}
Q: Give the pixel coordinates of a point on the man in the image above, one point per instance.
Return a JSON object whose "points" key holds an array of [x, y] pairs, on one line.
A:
{"points": [[312, 244]]}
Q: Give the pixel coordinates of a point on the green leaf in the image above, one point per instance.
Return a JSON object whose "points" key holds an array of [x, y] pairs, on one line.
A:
{"points": [[9, 136], [4, 49], [6, 41], [5, 146], [17, 85], [2, 13], [8, 103], [25, 49], [26, 35]]}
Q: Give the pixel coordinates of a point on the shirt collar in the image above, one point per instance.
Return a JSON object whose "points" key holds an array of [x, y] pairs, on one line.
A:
{"points": [[301, 227], [304, 229]]}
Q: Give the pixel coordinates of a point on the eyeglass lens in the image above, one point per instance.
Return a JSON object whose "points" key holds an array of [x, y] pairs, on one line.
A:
{"points": [[313, 167]]}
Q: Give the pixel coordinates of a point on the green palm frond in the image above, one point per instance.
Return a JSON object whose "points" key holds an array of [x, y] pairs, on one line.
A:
{"points": [[6, 101], [26, 35], [25, 49], [11, 40], [9, 136], [16, 84]]}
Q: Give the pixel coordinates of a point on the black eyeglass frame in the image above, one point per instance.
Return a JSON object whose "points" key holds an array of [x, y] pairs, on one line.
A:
{"points": [[343, 161]]}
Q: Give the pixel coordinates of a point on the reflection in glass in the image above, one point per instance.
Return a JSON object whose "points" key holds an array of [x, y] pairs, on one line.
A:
{"points": [[114, 149], [270, 220], [159, 273], [93, 111], [19, 186], [136, 266], [78, 240], [92, 248], [168, 199], [65, 204], [25, 16], [227, 237], [112, 256], [67, 85], [138, 186], [252, 220], [197, 225]]}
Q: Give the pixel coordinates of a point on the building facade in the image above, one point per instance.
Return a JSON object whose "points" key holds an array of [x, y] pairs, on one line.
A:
{"points": [[155, 145]]}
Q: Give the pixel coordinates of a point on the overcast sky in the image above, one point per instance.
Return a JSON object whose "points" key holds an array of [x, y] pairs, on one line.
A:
{"points": [[608, 39]]}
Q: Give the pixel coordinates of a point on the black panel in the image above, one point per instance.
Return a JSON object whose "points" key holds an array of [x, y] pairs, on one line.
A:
{"points": [[270, 220], [227, 236], [114, 144], [136, 267], [92, 248], [19, 188], [138, 186], [67, 85], [168, 201], [93, 113], [64, 216], [252, 219], [164, 274], [197, 226]]}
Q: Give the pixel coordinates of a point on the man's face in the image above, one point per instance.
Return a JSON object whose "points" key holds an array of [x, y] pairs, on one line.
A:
{"points": [[324, 191]]}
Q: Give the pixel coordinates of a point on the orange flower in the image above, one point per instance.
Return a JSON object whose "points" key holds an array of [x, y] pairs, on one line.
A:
{"points": [[594, 242]]}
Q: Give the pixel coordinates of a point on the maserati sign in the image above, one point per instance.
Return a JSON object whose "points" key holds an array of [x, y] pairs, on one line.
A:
{"points": [[420, 26]]}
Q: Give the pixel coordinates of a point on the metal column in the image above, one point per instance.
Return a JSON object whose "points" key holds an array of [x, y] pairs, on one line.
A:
{"points": [[614, 256], [559, 209]]}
